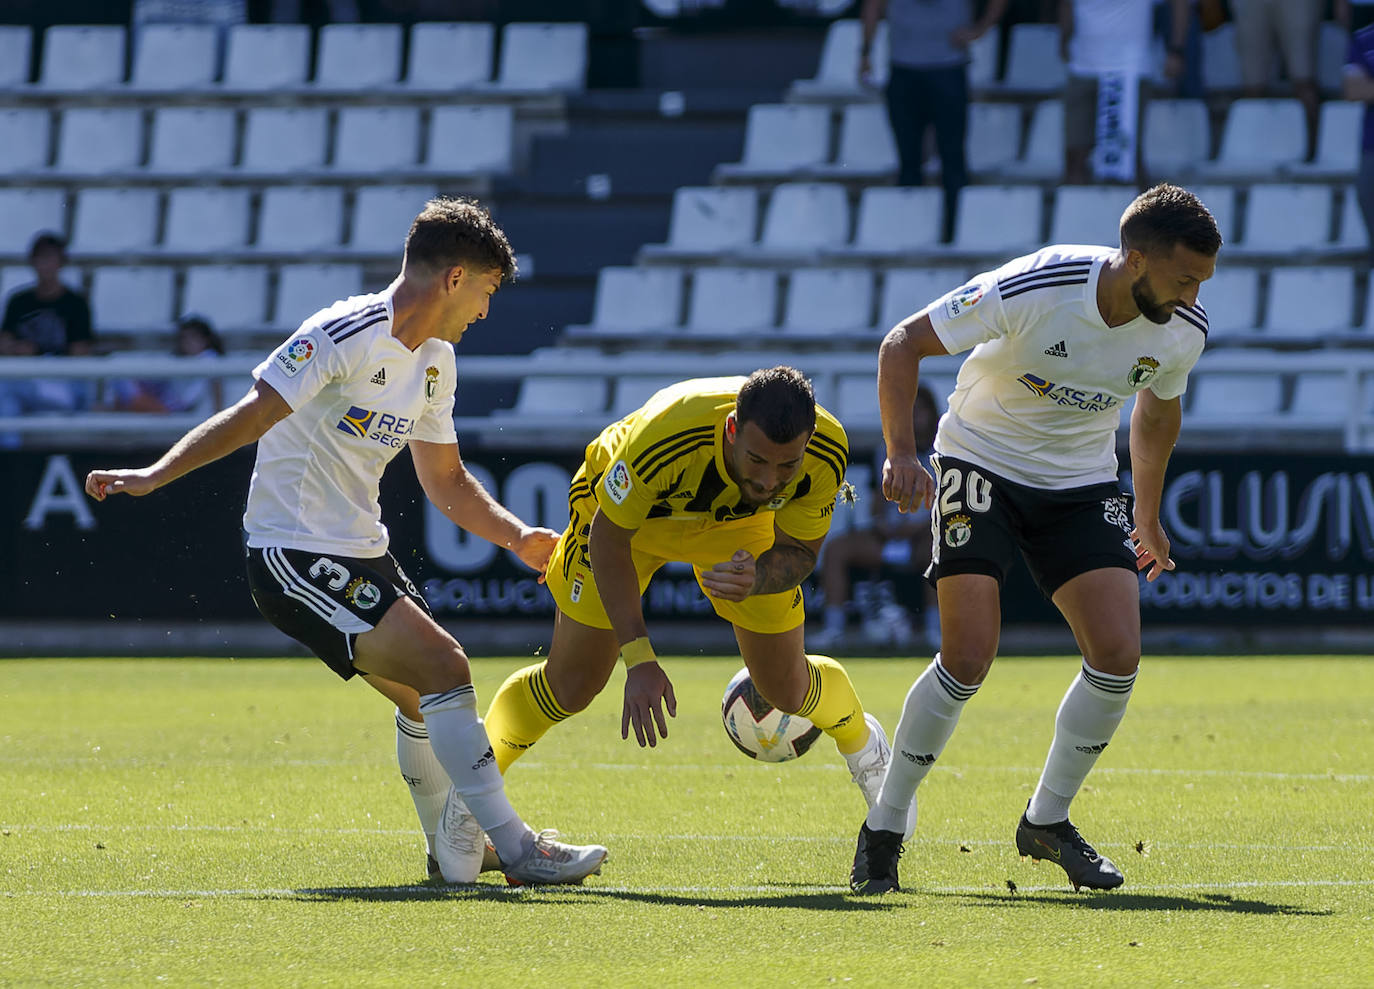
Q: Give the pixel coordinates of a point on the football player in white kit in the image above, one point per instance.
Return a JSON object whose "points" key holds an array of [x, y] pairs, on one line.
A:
{"points": [[329, 410], [1025, 463]]}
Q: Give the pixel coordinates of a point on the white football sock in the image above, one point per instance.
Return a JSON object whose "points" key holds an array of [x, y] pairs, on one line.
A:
{"points": [[460, 743], [426, 779], [1087, 718], [928, 718]]}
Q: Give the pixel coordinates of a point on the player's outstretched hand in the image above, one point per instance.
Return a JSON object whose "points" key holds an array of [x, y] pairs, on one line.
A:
{"points": [[908, 484], [732, 580], [647, 692], [100, 484], [534, 547], [1151, 549]]}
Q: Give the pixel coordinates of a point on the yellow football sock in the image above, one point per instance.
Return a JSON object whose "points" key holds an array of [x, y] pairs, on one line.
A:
{"points": [[522, 710], [832, 706]]}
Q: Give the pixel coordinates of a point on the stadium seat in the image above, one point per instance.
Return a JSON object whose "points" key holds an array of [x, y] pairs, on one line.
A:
{"points": [[726, 300], [24, 137], [1353, 236], [301, 218], [633, 390], [285, 140], [132, 298], [358, 57], [780, 140], [101, 140], [305, 289], [637, 300], [855, 399], [1089, 214], [909, 290], [1322, 398], [206, 220], [1220, 59], [982, 64], [192, 140], [450, 56], [1310, 302], [13, 277], [377, 139], [1338, 143], [16, 41], [382, 215], [175, 56], [998, 219], [266, 56], [1231, 298], [994, 137], [867, 150], [1220, 201], [894, 221], [828, 302], [1284, 219], [24, 212], [837, 75], [108, 221], [706, 220], [1260, 137], [1176, 138], [232, 296], [1044, 154], [1233, 397], [1033, 62], [560, 395], [81, 57], [471, 140], [804, 217], [543, 57]]}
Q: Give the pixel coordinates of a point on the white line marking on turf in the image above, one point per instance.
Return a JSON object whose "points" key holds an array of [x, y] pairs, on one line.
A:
{"points": [[1019, 770]]}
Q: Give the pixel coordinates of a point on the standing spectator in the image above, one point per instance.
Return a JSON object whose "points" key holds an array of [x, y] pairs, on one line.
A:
{"points": [[195, 337], [1359, 85], [928, 82], [1182, 26], [1292, 26]]}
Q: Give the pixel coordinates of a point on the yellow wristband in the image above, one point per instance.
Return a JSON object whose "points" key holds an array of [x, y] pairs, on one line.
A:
{"points": [[637, 651]]}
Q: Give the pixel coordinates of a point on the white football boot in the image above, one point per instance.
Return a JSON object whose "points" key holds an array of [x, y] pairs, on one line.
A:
{"points": [[551, 862], [460, 844], [868, 766]]}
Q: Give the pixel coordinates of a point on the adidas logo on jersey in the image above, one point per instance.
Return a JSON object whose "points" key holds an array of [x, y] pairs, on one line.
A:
{"points": [[1058, 350], [380, 377]]}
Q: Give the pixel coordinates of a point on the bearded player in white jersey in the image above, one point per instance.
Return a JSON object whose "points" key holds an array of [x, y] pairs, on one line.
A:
{"points": [[329, 410], [1026, 463]]}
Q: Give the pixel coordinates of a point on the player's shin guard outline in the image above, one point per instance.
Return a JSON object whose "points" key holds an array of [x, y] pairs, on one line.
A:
{"points": [[832, 705]]}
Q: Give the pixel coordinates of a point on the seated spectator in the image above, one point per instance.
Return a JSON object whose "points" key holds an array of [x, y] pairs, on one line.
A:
{"points": [[1293, 27], [891, 540], [195, 337]]}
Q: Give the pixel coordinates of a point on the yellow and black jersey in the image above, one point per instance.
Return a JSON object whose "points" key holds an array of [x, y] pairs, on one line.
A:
{"points": [[666, 460]]}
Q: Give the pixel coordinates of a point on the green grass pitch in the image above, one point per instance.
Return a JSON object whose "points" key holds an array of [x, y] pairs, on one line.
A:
{"points": [[216, 822]]}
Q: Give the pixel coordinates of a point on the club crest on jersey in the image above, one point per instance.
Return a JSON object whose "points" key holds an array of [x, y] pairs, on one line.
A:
{"points": [[958, 530], [617, 482], [296, 355], [431, 383], [363, 593], [964, 299], [1144, 370], [776, 503]]}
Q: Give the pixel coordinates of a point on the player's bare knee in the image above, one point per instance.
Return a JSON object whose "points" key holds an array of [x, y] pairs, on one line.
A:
{"points": [[574, 689], [1120, 661], [968, 668]]}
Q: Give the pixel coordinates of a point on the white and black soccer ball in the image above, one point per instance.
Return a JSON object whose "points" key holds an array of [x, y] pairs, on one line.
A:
{"points": [[760, 730]]}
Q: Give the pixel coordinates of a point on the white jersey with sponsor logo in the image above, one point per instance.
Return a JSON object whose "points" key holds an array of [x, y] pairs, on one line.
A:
{"points": [[1039, 399], [357, 395]]}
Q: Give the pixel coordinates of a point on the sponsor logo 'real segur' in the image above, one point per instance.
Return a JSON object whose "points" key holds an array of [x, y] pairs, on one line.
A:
{"points": [[379, 427]]}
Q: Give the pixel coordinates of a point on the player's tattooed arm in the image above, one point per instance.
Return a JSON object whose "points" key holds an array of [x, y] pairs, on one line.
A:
{"points": [[783, 567]]}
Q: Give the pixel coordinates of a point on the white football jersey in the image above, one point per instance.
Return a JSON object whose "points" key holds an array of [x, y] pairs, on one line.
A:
{"points": [[357, 395], [1039, 399]]}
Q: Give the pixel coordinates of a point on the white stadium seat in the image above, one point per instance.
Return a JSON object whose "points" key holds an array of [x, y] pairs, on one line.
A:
{"points": [[358, 57], [725, 300], [81, 57], [99, 140], [1310, 302], [24, 212], [1033, 62], [856, 398], [471, 140], [24, 137], [633, 390], [896, 220], [1044, 154], [132, 297], [305, 289], [909, 290], [206, 220], [867, 148], [1283, 219], [781, 139], [1233, 397], [837, 75], [113, 220], [1322, 397], [561, 394], [1338, 143], [175, 56], [998, 219], [543, 57], [1260, 137], [285, 140], [705, 220], [804, 217], [13, 277], [1231, 298], [377, 139], [192, 140], [301, 218], [637, 300], [982, 59], [382, 215], [1176, 137], [1089, 214], [994, 136], [450, 56], [1220, 201], [828, 301], [16, 41], [232, 296], [266, 56], [1353, 236]]}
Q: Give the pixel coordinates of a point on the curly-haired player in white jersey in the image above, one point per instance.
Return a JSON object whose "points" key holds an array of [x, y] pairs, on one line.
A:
{"points": [[329, 410], [1025, 463]]}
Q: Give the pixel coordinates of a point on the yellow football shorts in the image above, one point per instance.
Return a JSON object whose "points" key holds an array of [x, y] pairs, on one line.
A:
{"points": [[701, 542]]}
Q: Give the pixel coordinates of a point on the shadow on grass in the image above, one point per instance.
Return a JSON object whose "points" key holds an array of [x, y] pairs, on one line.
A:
{"points": [[1217, 902]]}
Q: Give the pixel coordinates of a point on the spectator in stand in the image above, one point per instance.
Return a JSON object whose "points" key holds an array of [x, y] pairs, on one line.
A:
{"points": [[195, 337], [1353, 14], [1359, 85], [928, 82], [1181, 23], [890, 538], [1293, 27]]}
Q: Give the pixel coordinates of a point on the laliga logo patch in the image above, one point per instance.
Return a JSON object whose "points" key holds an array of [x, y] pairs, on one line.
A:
{"points": [[776, 503], [296, 355], [957, 531], [431, 383], [617, 482], [963, 300], [363, 593], [1144, 370], [577, 589]]}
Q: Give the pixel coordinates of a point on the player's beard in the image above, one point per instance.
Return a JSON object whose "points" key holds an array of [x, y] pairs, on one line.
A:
{"points": [[1150, 307]]}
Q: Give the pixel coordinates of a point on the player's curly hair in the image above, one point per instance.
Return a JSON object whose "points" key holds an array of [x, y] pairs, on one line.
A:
{"points": [[459, 231], [780, 401], [1161, 218]]}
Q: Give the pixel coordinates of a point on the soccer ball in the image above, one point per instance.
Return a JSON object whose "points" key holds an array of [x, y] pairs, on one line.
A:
{"points": [[760, 730]]}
